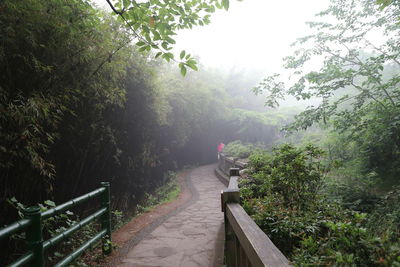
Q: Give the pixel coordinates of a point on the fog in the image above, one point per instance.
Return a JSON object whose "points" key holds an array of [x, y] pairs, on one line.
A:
{"points": [[251, 38], [252, 34]]}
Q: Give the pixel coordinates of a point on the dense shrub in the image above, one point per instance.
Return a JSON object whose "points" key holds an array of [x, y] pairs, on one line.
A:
{"points": [[283, 197], [292, 174], [237, 149], [346, 243]]}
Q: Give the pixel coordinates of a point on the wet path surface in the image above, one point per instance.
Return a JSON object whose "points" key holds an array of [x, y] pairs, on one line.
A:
{"points": [[191, 237]]}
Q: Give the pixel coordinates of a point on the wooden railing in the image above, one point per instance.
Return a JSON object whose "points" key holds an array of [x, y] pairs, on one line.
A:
{"points": [[33, 221], [226, 163], [245, 243]]}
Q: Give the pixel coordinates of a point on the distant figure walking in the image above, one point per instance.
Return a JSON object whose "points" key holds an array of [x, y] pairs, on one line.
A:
{"points": [[220, 148]]}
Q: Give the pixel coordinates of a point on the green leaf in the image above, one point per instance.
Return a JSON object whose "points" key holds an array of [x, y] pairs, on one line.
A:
{"points": [[183, 70], [141, 43], [69, 212], [158, 54], [168, 56], [182, 55], [143, 48], [191, 63], [165, 45], [170, 40], [156, 36], [225, 4], [147, 37], [50, 203]]}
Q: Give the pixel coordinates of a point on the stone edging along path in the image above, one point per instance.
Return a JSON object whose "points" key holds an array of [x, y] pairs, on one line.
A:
{"points": [[189, 234]]}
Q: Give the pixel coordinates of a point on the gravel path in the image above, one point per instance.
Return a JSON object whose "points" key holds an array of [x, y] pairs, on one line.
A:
{"points": [[189, 237]]}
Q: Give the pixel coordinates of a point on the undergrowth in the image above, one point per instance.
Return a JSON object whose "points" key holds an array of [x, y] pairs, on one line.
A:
{"points": [[59, 223], [315, 224]]}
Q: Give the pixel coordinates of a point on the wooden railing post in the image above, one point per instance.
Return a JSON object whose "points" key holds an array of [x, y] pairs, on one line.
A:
{"points": [[34, 236], [234, 172], [106, 218], [223, 163], [230, 195], [245, 243]]}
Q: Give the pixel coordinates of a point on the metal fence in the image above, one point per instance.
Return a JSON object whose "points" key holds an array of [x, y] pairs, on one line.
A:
{"points": [[32, 225]]}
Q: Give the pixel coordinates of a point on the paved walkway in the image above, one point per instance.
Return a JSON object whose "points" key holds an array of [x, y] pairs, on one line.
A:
{"points": [[193, 237]]}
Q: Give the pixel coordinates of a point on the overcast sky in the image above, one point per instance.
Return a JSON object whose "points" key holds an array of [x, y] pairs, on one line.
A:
{"points": [[251, 34]]}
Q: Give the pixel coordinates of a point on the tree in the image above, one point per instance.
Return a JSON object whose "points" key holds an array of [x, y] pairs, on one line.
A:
{"points": [[153, 23], [358, 83]]}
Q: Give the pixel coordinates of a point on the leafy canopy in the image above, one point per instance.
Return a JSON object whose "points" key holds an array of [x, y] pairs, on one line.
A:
{"points": [[154, 23], [359, 73]]}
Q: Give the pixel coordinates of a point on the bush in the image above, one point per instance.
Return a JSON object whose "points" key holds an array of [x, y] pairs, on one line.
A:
{"points": [[346, 244], [283, 197], [237, 149], [292, 174], [387, 215]]}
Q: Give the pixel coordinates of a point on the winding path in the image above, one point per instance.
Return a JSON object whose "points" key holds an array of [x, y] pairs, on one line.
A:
{"points": [[189, 237]]}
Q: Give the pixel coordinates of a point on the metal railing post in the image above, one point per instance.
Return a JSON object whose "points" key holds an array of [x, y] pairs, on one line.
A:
{"points": [[34, 235], [106, 218]]}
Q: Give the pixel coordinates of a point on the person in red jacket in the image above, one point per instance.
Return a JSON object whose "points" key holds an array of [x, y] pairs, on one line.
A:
{"points": [[220, 148]]}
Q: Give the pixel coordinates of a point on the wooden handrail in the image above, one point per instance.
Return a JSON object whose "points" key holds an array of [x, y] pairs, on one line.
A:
{"points": [[258, 248]]}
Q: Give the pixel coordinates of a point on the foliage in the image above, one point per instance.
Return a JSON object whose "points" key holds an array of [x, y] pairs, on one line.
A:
{"points": [[237, 149], [307, 226], [44, 80], [346, 243], [291, 174], [255, 127], [154, 23], [167, 192], [54, 226], [79, 105], [117, 219], [386, 214], [385, 3], [281, 194], [357, 83]]}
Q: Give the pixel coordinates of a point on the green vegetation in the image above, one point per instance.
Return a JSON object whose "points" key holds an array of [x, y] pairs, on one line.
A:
{"points": [[237, 149], [87, 96], [285, 197], [357, 85], [54, 226], [335, 205], [169, 191], [81, 104], [154, 23]]}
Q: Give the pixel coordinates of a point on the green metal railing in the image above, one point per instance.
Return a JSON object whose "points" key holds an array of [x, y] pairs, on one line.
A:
{"points": [[32, 224]]}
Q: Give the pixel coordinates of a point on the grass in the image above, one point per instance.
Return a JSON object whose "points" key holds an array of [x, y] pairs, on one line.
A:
{"points": [[164, 194]]}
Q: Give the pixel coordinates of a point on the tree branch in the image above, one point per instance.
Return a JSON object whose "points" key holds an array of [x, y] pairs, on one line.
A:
{"points": [[369, 94], [110, 56], [383, 52]]}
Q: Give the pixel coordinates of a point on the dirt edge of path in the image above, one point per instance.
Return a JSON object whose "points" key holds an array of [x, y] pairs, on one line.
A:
{"points": [[134, 231]]}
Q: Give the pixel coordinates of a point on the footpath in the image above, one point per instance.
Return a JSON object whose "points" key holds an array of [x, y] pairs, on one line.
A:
{"points": [[191, 236]]}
